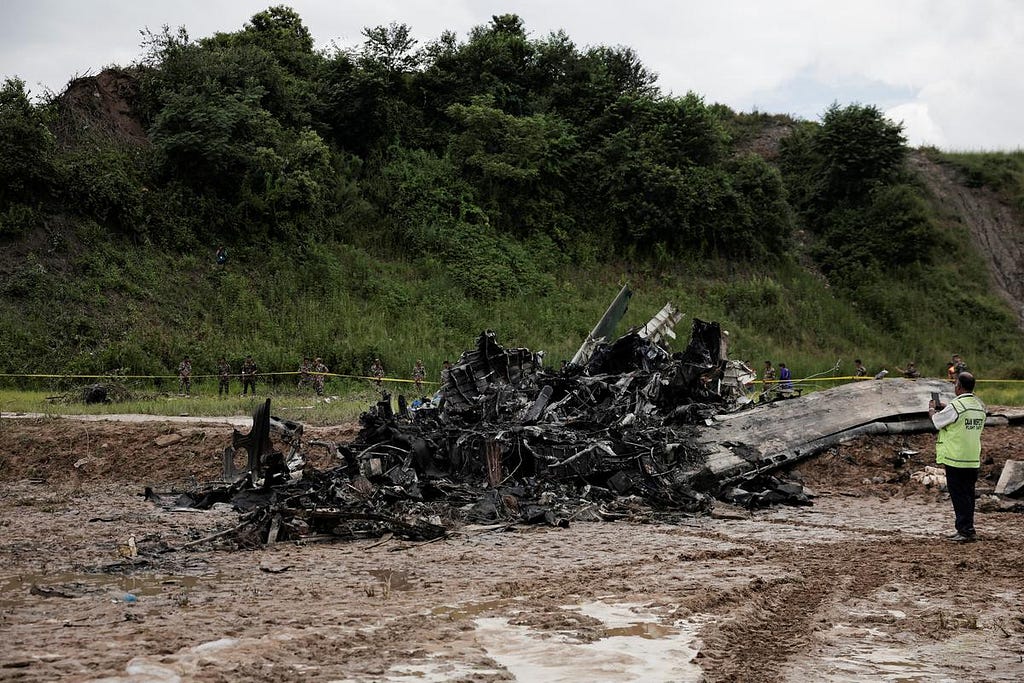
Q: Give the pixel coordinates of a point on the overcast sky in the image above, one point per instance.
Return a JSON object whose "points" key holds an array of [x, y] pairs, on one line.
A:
{"points": [[950, 70]]}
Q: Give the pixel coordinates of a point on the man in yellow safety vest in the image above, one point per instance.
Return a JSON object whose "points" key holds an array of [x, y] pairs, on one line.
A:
{"points": [[958, 449]]}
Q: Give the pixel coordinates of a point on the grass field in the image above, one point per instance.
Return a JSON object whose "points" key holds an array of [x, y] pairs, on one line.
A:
{"points": [[343, 401]]}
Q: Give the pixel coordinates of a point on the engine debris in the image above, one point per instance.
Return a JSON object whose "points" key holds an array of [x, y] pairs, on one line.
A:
{"points": [[627, 430]]}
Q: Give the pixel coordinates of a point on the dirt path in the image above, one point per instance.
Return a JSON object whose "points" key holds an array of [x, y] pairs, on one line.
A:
{"points": [[859, 586]]}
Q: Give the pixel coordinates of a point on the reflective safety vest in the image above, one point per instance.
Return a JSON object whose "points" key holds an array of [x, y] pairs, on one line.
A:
{"points": [[959, 443]]}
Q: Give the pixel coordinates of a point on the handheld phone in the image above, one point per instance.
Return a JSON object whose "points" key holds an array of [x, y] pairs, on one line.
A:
{"points": [[937, 401]]}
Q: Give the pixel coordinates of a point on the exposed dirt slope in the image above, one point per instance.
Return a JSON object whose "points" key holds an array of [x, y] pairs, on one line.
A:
{"points": [[104, 104], [995, 230]]}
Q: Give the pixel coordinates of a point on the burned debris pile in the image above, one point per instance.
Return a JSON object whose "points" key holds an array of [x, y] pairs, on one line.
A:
{"points": [[610, 435]]}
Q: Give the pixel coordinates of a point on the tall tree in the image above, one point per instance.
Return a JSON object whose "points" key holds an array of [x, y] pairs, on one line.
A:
{"points": [[26, 146]]}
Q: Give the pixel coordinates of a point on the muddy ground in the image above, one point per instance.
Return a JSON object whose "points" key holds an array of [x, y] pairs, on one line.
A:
{"points": [[859, 586]]}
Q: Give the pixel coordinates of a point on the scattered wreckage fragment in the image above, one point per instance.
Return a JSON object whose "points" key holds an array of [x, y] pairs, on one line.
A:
{"points": [[627, 429], [1011, 480], [508, 441]]}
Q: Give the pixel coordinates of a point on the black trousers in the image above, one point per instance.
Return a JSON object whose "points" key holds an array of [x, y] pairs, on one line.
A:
{"points": [[960, 484]]}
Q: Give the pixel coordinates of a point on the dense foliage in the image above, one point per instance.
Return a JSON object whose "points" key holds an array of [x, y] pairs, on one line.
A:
{"points": [[443, 185]]}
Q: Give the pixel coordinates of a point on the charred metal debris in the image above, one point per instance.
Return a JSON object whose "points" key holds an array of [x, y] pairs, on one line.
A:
{"points": [[611, 434]]}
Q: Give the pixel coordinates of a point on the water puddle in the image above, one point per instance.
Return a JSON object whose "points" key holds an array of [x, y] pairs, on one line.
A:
{"points": [[881, 664], [861, 654], [392, 580], [471, 609], [634, 645], [436, 669], [20, 588]]}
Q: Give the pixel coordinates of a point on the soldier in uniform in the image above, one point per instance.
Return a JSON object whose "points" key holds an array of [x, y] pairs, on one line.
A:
{"points": [[377, 372], [767, 379], [304, 369], [419, 373], [223, 377], [955, 366], [249, 371], [911, 371], [859, 370], [185, 376], [318, 379]]}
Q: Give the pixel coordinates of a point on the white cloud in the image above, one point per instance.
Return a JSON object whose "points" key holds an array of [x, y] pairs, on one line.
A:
{"points": [[918, 125]]}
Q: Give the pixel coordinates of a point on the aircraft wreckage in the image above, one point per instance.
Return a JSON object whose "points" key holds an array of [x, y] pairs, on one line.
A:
{"points": [[626, 429]]}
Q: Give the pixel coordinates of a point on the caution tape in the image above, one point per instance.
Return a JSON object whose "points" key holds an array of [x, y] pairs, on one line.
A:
{"points": [[399, 380], [234, 376], [871, 378]]}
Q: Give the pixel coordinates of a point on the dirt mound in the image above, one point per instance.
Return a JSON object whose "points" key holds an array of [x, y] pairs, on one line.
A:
{"points": [[65, 451], [766, 143], [882, 465], [105, 105]]}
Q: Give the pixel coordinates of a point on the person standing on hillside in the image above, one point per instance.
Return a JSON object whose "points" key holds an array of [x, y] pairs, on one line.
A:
{"points": [[377, 372], [859, 370], [185, 377], [222, 256], [767, 379], [955, 366], [419, 373], [958, 450], [319, 368], [223, 377], [785, 378], [249, 371], [304, 368]]}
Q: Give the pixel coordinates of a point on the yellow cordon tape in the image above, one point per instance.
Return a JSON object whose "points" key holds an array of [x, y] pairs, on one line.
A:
{"points": [[233, 375], [894, 376], [412, 381]]}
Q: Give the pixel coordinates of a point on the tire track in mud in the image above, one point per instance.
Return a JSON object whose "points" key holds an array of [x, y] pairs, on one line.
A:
{"points": [[777, 618], [773, 620], [761, 626]]}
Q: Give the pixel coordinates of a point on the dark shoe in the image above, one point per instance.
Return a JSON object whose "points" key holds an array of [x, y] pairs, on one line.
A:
{"points": [[960, 538]]}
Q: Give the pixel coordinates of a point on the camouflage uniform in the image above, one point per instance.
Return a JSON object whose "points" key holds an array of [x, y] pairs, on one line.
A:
{"points": [[768, 379], [249, 371], [185, 377], [419, 373], [318, 379], [377, 372], [304, 369], [223, 377], [955, 366]]}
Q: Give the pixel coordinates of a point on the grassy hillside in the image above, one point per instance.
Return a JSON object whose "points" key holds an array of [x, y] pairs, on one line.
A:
{"points": [[392, 201], [74, 304]]}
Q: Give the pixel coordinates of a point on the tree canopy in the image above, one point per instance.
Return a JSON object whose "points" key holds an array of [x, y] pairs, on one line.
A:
{"points": [[499, 139]]}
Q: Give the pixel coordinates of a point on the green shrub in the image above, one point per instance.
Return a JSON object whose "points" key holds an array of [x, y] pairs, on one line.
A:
{"points": [[17, 220]]}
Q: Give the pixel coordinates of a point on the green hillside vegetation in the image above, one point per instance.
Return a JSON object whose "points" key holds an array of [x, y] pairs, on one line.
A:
{"points": [[1001, 172], [393, 200]]}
